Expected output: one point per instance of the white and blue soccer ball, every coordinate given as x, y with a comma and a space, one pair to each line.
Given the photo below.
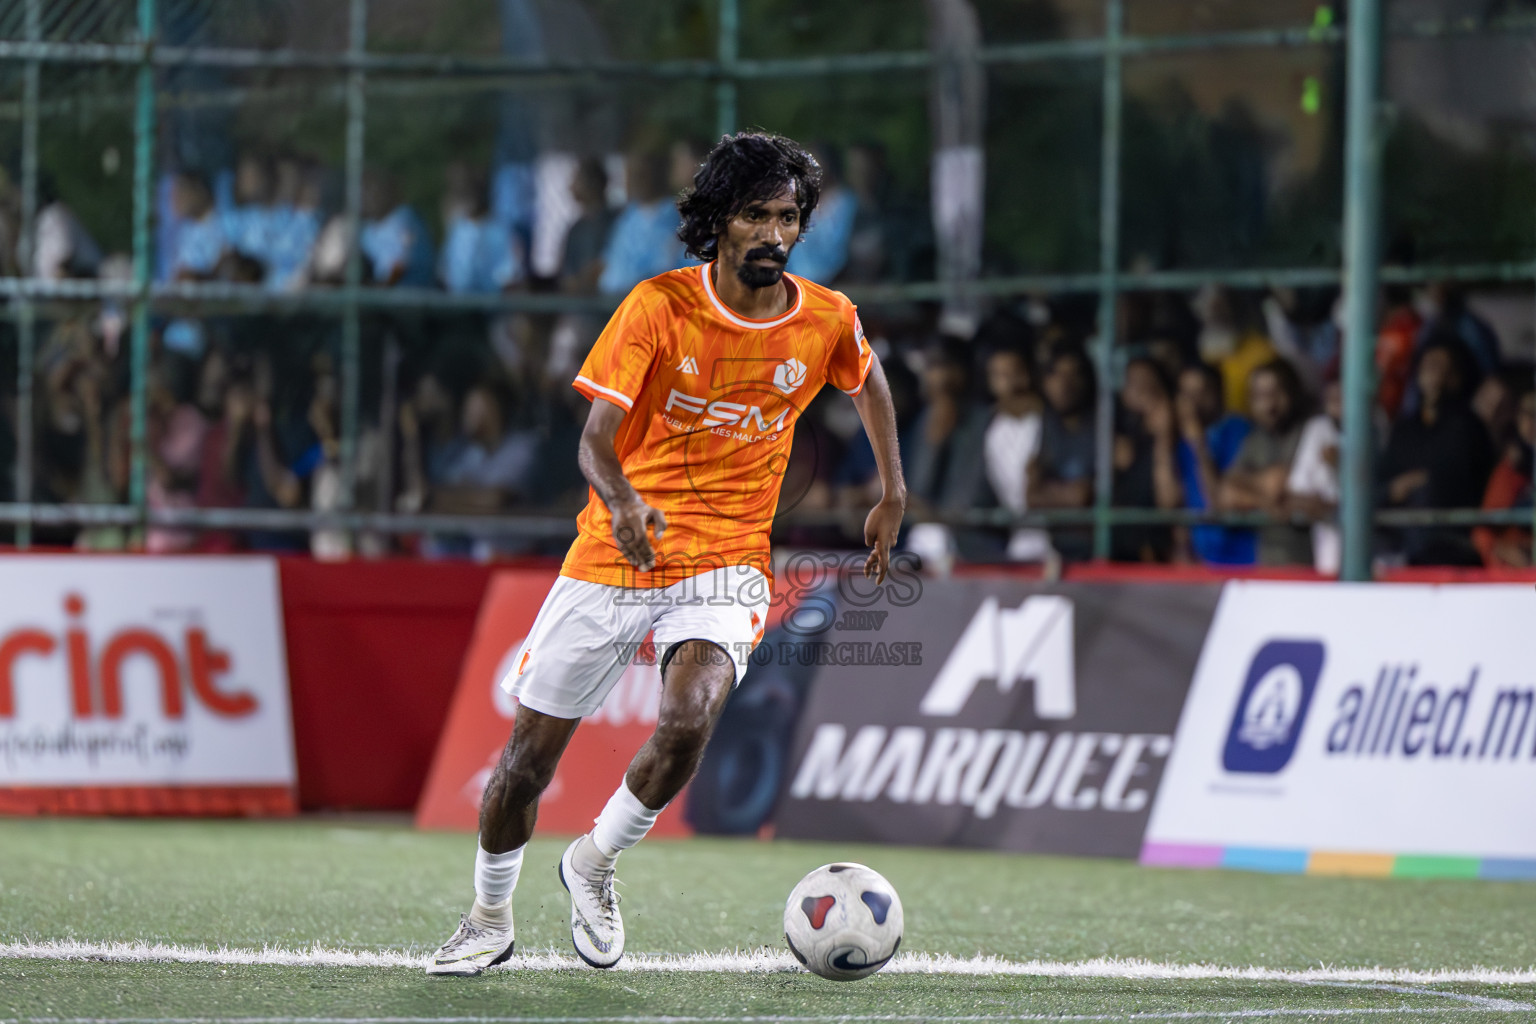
843, 921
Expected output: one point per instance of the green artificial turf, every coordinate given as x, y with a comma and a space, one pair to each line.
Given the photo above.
377, 887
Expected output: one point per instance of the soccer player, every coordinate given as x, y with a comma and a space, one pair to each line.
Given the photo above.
696, 384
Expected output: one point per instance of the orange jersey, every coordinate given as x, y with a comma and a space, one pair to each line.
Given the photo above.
712, 400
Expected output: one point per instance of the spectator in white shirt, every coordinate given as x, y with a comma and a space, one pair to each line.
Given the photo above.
1012, 441
64, 249
1312, 488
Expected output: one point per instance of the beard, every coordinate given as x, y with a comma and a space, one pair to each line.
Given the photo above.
754, 276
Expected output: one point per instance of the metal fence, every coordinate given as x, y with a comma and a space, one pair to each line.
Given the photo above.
149, 60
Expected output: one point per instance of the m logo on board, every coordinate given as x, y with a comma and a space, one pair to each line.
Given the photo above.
1031, 643
1017, 733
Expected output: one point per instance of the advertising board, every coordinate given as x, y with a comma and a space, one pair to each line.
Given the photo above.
1364, 729
143, 685
994, 713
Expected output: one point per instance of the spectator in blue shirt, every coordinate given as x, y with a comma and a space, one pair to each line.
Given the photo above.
489, 466
644, 240
823, 253
477, 256
1210, 439
394, 239
200, 241
296, 224
198, 253
245, 208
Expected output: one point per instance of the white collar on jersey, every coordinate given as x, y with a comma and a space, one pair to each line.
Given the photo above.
751, 325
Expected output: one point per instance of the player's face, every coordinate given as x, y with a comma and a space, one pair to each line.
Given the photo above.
756, 242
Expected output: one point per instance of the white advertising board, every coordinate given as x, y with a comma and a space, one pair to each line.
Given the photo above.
143, 684
1392, 722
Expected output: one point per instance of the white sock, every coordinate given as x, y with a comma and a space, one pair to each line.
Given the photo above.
623, 823
496, 876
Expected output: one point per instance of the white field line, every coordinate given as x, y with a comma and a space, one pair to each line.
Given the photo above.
1484, 1001
762, 961
1392, 1012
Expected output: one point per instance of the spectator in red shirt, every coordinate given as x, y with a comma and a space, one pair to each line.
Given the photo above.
1400, 326
1510, 487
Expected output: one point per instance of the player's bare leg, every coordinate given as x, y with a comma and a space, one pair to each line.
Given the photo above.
485, 935
698, 680
511, 801
695, 684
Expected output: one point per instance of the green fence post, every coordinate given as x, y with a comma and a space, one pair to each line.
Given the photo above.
26, 325
727, 49
1362, 247
351, 329
1109, 265
143, 198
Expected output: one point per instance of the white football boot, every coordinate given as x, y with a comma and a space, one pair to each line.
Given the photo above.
597, 930
474, 947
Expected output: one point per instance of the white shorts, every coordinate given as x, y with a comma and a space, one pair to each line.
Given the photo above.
586, 634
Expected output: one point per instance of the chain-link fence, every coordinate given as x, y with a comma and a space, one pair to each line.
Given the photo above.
316, 275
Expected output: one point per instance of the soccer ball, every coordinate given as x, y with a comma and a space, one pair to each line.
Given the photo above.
843, 921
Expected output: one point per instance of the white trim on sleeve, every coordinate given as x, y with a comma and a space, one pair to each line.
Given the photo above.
617, 396
869, 359
868, 356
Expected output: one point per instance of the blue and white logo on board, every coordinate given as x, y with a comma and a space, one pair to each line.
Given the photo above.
1272, 706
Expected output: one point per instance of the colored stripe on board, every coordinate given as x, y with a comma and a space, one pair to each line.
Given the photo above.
1181, 855
1361, 865
1508, 869
1419, 866
1333, 862
1284, 862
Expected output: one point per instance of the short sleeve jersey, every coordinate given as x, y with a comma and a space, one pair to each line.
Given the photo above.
712, 399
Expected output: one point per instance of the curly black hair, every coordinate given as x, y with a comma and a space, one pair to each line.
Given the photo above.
744, 168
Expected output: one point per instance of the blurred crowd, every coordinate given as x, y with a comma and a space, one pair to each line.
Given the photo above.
1224, 400
585, 226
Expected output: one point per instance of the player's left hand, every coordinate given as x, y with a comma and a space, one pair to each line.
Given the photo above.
880, 529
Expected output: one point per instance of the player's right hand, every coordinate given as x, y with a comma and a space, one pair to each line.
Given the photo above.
629, 532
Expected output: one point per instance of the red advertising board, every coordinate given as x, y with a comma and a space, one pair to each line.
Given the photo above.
481, 716
140, 686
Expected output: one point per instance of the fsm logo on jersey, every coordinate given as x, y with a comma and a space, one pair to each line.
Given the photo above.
1272, 707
